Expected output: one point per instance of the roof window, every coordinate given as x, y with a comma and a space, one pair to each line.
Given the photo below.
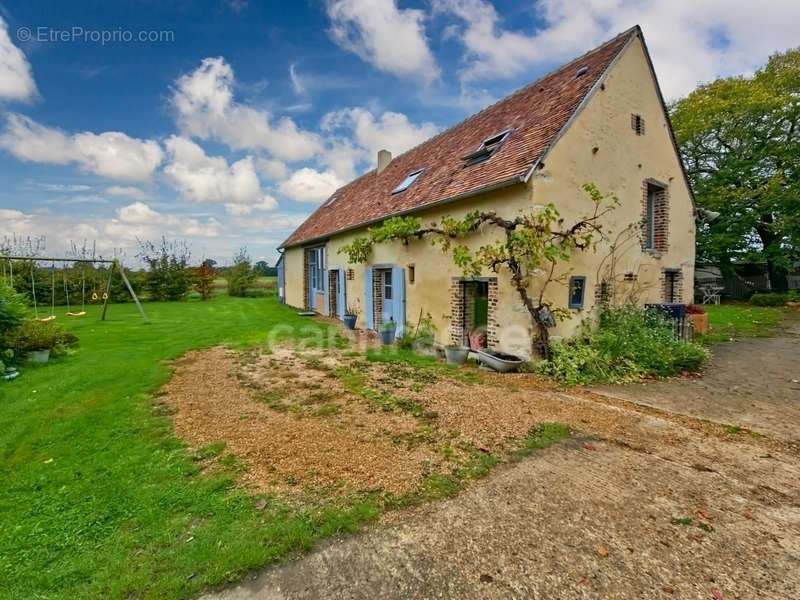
407, 182
330, 200
488, 147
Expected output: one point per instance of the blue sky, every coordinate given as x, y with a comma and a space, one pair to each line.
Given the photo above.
240, 117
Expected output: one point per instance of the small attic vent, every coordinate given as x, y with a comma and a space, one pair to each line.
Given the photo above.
488, 147
330, 200
637, 124
582, 71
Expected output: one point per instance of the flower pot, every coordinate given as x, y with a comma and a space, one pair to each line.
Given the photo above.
350, 321
39, 356
456, 355
387, 337
699, 322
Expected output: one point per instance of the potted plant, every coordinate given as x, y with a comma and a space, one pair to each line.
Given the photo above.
36, 339
425, 337
456, 355
350, 318
698, 317
387, 331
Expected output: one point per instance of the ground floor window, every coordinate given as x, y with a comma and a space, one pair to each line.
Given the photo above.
672, 286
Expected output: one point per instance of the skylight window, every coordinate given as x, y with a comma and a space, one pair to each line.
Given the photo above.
330, 200
407, 182
488, 147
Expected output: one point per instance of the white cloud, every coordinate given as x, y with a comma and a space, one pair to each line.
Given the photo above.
16, 79
281, 223
111, 154
202, 178
391, 131
310, 185
297, 83
139, 212
265, 204
127, 191
61, 187
271, 168
140, 221
7, 214
690, 41
205, 108
380, 33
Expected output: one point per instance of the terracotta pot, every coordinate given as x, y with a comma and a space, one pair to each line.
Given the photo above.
699, 322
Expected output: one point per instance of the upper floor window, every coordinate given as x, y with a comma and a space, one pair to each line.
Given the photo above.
407, 182
488, 147
655, 218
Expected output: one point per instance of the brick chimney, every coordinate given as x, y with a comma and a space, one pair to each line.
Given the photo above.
384, 158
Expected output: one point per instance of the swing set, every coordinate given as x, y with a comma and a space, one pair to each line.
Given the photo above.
8, 269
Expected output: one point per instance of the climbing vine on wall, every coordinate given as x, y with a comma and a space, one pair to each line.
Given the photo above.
533, 244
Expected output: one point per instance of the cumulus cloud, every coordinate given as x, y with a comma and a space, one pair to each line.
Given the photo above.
111, 154
202, 178
389, 38
265, 204
16, 78
392, 131
126, 191
690, 41
310, 185
205, 108
139, 221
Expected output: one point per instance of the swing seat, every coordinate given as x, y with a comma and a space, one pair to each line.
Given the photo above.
46, 319
76, 314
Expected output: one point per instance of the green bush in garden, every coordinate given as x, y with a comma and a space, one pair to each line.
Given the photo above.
627, 343
770, 299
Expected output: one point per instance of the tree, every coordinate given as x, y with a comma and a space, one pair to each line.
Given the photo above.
262, 269
531, 246
168, 276
240, 276
740, 141
203, 279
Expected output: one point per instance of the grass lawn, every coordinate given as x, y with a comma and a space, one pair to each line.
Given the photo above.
731, 321
97, 496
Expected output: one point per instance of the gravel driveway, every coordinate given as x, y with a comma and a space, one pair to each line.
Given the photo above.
662, 506
751, 383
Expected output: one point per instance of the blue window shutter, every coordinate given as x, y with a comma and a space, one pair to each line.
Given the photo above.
281, 281
369, 317
399, 299
342, 299
324, 284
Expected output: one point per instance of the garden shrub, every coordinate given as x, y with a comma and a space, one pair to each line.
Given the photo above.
768, 299
40, 335
13, 311
241, 276
626, 344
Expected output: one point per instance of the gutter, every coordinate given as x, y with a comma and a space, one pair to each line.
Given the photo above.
517, 179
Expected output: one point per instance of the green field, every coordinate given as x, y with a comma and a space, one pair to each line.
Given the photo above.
732, 321
97, 496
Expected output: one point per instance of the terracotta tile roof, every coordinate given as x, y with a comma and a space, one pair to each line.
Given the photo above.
535, 114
